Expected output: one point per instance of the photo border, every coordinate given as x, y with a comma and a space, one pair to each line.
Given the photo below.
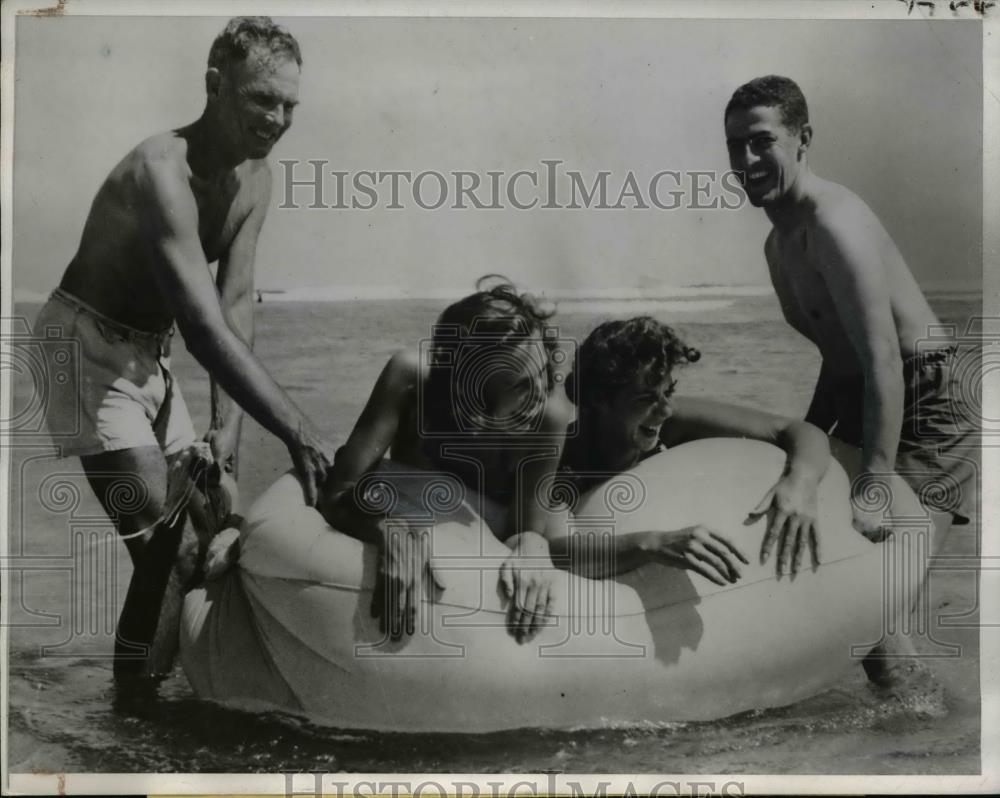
190, 784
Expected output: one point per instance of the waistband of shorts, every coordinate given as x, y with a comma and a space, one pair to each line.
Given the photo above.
930, 357
124, 330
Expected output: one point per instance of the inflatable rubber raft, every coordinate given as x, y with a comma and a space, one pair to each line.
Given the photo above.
290, 628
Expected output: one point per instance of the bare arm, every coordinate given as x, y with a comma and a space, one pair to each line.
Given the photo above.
694, 548
182, 275
792, 502
235, 284
526, 576
404, 560
530, 508
597, 555
371, 437
848, 251
808, 449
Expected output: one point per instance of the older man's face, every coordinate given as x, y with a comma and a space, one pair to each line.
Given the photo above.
259, 96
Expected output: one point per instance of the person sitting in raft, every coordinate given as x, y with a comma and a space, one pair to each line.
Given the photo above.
627, 412
489, 384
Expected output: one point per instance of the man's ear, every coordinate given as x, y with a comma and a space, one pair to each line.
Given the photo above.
805, 138
213, 82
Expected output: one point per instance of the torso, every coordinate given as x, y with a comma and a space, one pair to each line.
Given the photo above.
800, 282
113, 269
493, 460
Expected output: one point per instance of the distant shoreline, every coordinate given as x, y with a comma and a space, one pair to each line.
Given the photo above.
561, 295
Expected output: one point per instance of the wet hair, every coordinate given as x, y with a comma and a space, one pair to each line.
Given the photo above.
615, 351
773, 91
244, 34
496, 315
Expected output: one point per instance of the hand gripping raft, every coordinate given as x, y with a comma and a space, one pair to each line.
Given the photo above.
290, 628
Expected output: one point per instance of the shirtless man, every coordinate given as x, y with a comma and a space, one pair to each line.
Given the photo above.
177, 202
843, 284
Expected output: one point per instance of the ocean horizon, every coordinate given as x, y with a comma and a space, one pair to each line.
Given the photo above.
628, 294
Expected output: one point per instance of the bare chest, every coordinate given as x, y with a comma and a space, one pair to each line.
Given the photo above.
221, 211
805, 287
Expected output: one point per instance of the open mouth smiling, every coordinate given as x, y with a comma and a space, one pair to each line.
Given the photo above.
263, 136
755, 178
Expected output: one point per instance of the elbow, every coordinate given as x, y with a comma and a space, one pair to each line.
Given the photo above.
200, 336
805, 430
883, 360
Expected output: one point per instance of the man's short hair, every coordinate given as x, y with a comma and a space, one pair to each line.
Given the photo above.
244, 34
774, 91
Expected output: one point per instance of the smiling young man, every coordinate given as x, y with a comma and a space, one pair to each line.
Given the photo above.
843, 284
177, 202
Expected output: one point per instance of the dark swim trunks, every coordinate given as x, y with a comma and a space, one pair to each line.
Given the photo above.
939, 442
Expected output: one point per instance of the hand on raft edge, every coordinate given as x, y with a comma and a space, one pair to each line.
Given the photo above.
526, 577
404, 568
792, 509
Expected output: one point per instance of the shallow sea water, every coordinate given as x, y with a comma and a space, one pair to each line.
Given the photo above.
63, 711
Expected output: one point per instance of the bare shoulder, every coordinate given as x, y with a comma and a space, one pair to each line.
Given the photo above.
160, 153
405, 369
840, 213
157, 168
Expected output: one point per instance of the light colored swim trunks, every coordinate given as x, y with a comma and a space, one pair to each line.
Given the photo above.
121, 393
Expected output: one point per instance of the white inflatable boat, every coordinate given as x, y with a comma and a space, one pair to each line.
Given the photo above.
290, 628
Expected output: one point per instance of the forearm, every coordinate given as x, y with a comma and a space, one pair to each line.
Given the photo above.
601, 554
238, 313
883, 415
344, 515
225, 412
238, 372
808, 450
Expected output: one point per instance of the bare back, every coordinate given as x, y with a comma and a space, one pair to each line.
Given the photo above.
113, 269
803, 271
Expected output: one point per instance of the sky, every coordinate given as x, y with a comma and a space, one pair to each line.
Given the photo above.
896, 109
